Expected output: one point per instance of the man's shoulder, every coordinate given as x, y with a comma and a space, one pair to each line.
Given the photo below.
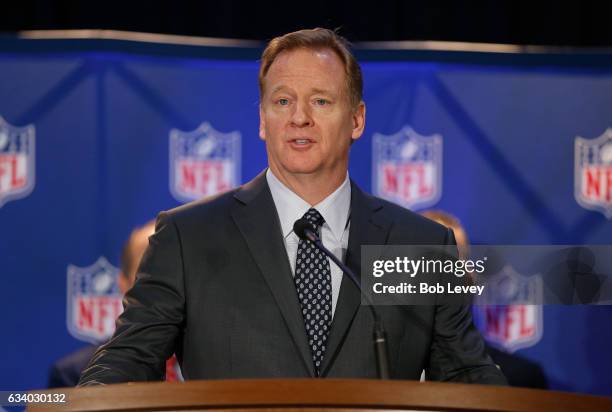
220, 205
213, 206
409, 222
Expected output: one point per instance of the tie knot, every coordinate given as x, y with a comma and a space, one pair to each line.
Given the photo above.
314, 217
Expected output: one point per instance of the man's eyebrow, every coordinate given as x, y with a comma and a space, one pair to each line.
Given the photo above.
279, 88
314, 90
323, 91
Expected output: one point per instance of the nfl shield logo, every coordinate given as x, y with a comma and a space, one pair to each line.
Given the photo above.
94, 301
593, 173
502, 315
16, 161
203, 162
407, 168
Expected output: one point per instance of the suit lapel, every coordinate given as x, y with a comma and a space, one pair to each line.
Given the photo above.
368, 226
257, 219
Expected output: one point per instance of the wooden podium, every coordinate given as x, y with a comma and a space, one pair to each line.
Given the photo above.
317, 394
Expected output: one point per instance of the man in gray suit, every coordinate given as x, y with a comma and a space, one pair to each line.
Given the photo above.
228, 286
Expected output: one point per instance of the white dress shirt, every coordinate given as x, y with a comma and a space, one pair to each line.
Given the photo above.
335, 209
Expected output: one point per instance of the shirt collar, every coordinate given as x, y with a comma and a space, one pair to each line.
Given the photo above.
290, 207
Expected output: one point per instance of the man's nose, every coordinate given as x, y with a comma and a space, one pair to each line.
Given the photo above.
301, 116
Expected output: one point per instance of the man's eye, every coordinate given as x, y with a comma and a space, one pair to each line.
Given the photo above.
283, 102
321, 102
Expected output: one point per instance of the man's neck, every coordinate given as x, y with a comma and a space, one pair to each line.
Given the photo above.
311, 187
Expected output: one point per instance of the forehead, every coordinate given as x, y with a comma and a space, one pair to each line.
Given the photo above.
321, 68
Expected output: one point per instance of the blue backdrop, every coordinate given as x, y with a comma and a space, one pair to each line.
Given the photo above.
102, 113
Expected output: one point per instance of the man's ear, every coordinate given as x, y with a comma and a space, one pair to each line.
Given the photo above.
358, 120
262, 124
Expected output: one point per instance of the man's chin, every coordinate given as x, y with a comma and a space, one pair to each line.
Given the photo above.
304, 171
302, 168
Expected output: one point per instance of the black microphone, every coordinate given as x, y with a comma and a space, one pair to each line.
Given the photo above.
305, 230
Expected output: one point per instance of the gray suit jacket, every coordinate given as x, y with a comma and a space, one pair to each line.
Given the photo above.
215, 286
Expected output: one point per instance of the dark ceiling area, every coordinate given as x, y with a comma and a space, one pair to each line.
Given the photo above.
584, 24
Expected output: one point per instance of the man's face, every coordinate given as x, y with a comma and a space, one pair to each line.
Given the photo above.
306, 117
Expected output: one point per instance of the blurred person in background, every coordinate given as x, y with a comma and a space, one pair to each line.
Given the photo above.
518, 370
66, 371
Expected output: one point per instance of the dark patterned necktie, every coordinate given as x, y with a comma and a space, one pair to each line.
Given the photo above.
313, 284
